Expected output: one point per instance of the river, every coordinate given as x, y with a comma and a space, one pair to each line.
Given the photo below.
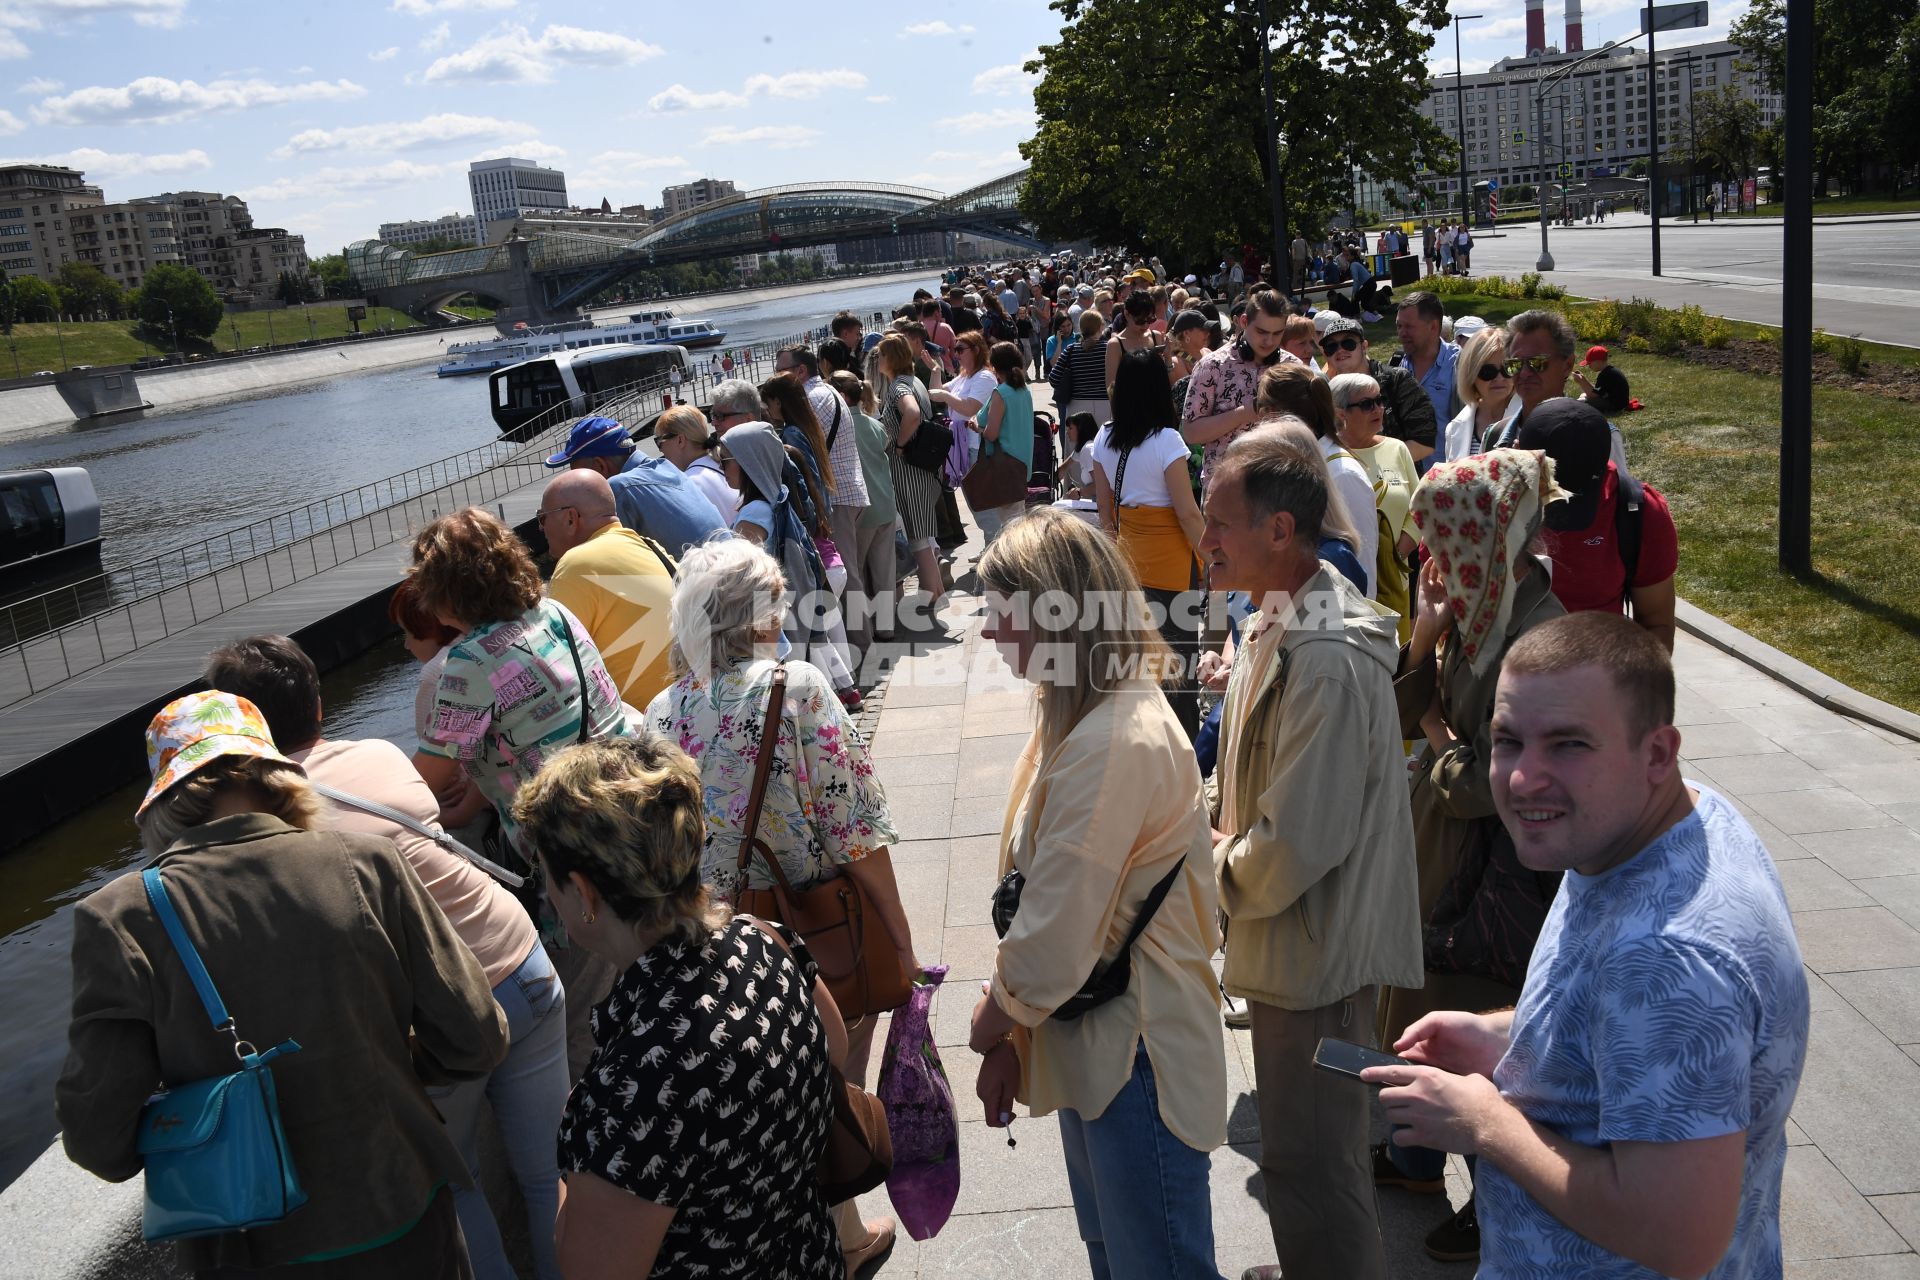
170, 479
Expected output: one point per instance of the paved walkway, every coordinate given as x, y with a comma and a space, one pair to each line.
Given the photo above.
1836, 803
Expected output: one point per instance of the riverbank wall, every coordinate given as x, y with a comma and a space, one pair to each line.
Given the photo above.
40, 405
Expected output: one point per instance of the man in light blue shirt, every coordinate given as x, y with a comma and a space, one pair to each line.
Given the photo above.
1630, 1113
1426, 355
651, 496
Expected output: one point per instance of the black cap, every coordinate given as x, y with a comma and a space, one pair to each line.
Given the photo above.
1187, 320
1576, 436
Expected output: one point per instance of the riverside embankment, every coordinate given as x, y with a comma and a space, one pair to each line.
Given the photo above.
40, 405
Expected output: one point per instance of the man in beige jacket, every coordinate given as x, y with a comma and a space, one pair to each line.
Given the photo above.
1314, 847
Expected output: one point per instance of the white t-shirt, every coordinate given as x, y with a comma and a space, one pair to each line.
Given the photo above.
1146, 467
977, 385
710, 480
1354, 491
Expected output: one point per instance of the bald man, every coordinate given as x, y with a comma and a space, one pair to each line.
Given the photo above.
612, 579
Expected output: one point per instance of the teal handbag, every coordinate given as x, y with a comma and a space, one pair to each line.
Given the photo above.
216, 1157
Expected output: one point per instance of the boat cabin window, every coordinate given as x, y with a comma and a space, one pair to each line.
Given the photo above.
597, 377
31, 520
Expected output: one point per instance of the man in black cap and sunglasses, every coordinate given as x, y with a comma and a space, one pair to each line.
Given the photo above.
1409, 411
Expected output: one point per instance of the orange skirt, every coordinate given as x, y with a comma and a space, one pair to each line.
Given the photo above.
1157, 546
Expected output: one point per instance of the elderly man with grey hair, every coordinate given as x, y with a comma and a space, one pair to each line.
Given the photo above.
734, 401
1540, 347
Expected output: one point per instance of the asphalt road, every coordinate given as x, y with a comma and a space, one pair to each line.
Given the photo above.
1866, 274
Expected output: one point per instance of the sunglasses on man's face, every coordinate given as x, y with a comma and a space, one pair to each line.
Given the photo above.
1368, 405
1488, 372
1332, 345
1536, 363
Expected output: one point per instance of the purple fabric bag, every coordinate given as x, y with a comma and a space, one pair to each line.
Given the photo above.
925, 1180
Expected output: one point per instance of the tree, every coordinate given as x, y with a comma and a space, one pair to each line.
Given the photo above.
294, 288
335, 280
1729, 129
34, 299
176, 298
1152, 129
85, 291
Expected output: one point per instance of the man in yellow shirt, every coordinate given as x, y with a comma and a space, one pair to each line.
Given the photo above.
612, 579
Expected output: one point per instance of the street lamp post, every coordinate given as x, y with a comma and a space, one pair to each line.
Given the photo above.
1273, 150
1460, 117
1693, 145
1545, 261
1653, 142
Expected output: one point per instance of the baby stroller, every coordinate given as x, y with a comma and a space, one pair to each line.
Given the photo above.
1046, 459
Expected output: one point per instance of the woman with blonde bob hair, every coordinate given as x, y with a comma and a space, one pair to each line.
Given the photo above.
711, 1073
1486, 393
1106, 826
329, 955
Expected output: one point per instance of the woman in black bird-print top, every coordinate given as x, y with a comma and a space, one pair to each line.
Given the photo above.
690, 1148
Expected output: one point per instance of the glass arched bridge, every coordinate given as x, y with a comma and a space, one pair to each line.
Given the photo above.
555, 270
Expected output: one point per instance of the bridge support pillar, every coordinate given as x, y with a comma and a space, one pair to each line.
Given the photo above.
523, 297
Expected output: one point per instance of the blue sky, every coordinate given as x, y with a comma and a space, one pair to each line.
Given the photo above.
332, 118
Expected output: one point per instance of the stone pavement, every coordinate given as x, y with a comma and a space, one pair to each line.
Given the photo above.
1836, 803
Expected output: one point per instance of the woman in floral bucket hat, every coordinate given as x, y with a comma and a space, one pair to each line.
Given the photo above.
1483, 587
324, 938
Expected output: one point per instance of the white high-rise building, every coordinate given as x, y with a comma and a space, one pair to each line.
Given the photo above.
508, 187
452, 226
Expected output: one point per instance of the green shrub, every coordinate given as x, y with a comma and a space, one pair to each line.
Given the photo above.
1822, 342
1598, 321
1715, 333
1639, 315
1850, 355
1638, 345
1691, 322
1553, 292
1771, 337
1530, 284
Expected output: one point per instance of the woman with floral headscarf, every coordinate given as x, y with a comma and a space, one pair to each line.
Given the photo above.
1482, 588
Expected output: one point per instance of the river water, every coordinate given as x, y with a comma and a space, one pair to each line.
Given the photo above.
170, 479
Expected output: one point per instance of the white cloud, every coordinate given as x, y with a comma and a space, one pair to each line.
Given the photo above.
436, 38
327, 180
805, 84
622, 169
422, 8
107, 164
1004, 81
1498, 29
879, 98
522, 149
778, 137
384, 55
677, 97
40, 86
981, 121
513, 55
936, 28
404, 135
11, 45
148, 13
10, 123
152, 99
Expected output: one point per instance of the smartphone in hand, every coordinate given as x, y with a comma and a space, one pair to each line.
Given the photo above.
1345, 1058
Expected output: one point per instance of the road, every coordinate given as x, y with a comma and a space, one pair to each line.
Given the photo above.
1866, 275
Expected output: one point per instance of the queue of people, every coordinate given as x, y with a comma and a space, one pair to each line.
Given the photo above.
1432, 613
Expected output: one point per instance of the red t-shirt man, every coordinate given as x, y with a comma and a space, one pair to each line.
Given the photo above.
1582, 533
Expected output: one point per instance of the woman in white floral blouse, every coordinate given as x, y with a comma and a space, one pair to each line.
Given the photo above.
825, 813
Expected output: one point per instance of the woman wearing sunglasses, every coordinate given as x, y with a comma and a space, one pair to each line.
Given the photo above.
1360, 406
1486, 395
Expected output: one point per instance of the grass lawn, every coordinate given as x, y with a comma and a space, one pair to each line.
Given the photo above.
1709, 440
1837, 206
101, 342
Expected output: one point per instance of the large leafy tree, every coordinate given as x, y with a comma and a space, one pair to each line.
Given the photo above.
34, 300
1152, 129
1865, 54
335, 280
173, 297
1730, 132
85, 290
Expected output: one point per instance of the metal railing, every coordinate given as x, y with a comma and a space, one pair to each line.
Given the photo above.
62, 634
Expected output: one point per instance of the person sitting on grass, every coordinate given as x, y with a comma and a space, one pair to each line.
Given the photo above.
1606, 390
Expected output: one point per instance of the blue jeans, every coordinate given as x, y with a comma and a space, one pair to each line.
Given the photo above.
528, 1093
1139, 1193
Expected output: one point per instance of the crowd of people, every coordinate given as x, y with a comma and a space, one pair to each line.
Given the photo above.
1368, 687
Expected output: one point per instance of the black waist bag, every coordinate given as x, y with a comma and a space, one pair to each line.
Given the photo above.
1105, 984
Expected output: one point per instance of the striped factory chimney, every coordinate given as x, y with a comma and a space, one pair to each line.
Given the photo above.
1536, 27
1573, 27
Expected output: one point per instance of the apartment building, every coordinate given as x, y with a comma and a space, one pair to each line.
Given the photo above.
216, 237
35, 203
506, 187
689, 196
453, 226
1595, 121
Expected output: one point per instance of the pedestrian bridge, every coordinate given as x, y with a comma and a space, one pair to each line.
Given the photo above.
551, 272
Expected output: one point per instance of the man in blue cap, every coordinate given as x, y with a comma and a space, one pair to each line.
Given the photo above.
651, 495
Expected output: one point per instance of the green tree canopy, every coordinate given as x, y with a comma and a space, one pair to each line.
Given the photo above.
85, 290
173, 296
1728, 127
1152, 129
34, 300
335, 280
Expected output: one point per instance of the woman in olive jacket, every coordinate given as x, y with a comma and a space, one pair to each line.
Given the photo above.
324, 938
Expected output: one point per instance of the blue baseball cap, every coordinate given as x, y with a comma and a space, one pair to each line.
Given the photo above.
593, 438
